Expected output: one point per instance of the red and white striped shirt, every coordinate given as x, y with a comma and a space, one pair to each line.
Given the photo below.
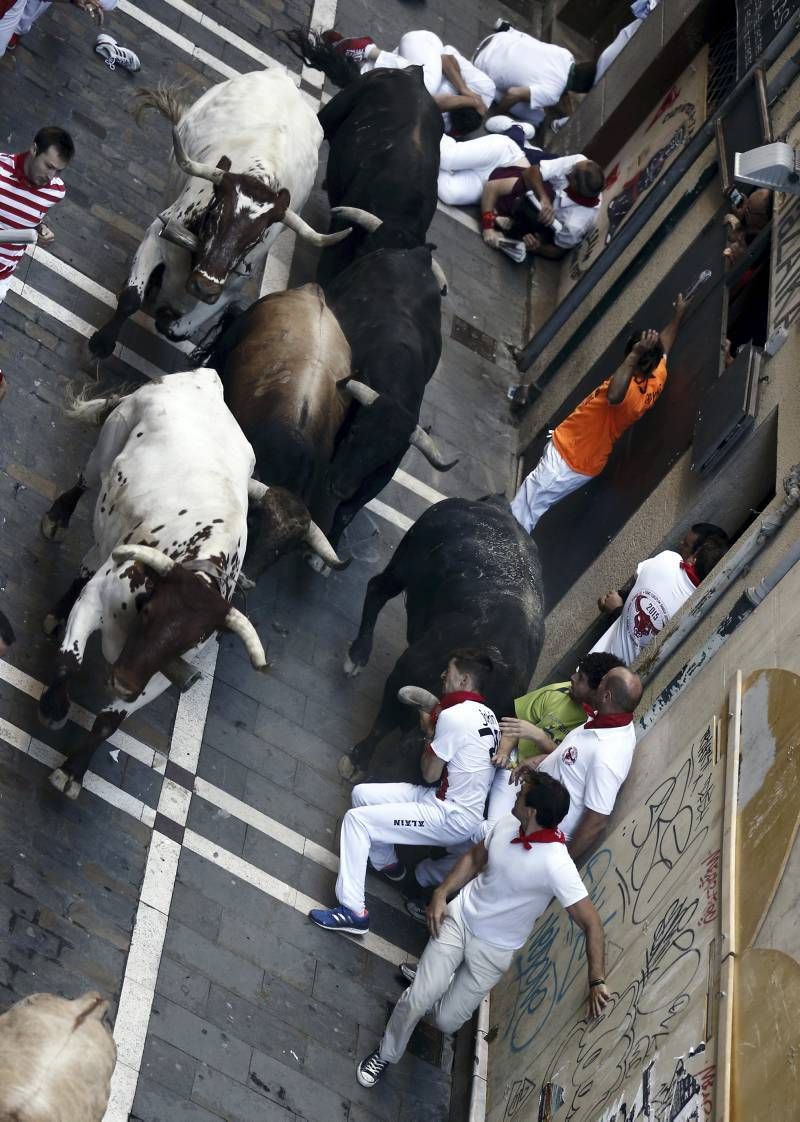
22, 205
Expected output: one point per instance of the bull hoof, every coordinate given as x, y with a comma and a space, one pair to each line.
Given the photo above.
315, 562
52, 714
351, 669
64, 782
52, 530
100, 346
349, 771
52, 625
418, 698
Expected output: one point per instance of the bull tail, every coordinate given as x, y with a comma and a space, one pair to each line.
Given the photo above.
164, 99
311, 48
90, 410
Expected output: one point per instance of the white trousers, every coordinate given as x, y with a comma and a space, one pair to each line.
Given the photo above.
552, 479
502, 796
416, 48
465, 166
9, 23
389, 814
454, 974
21, 18
5, 287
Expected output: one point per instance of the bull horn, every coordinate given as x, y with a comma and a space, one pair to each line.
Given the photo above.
420, 439
154, 559
322, 547
361, 392
173, 231
439, 273
364, 218
418, 698
296, 223
194, 167
240, 625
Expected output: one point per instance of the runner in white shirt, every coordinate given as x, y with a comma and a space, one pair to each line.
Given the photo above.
593, 760
459, 88
663, 584
388, 814
505, 883
530, 74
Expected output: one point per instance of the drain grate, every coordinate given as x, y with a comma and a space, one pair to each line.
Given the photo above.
477, 341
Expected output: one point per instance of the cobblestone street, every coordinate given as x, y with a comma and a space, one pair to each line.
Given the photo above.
178, 884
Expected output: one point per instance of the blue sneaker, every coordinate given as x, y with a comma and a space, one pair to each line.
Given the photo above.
341, 919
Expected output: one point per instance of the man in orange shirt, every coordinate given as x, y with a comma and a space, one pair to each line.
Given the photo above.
579, 447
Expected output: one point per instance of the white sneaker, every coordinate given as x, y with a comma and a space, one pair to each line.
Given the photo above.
114, 55
502, 123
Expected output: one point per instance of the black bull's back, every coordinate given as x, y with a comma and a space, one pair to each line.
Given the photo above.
472, 578
384, 131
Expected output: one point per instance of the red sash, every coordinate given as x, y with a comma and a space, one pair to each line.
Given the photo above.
538, 836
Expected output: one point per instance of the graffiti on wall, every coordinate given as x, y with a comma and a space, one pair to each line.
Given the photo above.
786, 269
640, 163
655, 886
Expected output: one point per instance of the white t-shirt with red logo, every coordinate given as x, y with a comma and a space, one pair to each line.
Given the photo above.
466, 738
503, 902
661, 587
592, 764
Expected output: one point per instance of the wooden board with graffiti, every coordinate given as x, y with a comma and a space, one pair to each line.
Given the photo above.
650, 150
655, 884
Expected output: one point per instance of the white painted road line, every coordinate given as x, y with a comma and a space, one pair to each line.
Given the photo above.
430, 494
152, 913
460, 216
390, 514
69, 319
156, 887
231, 37
256, 877
103, 295
146, 755
179, 41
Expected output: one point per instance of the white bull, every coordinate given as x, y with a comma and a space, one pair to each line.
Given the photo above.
174, 475
242, 152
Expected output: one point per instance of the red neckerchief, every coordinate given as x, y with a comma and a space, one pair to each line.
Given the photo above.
538, 836
571, 193
19, 169
588, 710
581, 200
445, 702
691, 572
609, 720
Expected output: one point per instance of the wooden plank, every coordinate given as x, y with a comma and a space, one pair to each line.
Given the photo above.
722, 1096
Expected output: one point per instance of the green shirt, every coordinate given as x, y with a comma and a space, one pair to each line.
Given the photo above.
552, 709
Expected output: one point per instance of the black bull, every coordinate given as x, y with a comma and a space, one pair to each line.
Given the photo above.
384, 131
471, 578
389, 306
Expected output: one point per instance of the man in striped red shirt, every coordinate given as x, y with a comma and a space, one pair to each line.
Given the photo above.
30, 184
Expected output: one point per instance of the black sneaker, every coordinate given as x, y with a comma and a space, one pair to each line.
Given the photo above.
371, 1069
418, 910
393, 873
408, 971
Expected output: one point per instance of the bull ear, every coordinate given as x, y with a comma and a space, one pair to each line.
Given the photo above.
282, 200
223, 163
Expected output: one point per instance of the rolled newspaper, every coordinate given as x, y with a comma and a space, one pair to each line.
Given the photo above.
19, 237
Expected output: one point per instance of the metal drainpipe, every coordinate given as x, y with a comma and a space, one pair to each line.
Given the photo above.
741, 610
480, 1061
747, 550
645, 211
